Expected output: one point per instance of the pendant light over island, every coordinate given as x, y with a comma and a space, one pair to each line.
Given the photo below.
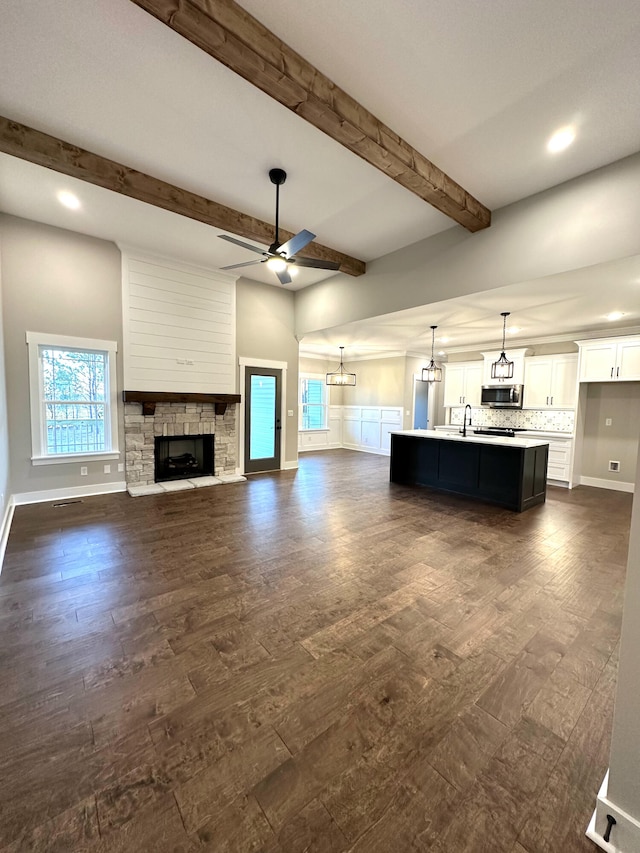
502, 368
432, 372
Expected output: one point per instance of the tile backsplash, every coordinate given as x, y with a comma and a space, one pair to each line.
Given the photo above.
542, 419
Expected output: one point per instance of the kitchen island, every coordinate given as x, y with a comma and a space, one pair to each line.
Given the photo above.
510, 472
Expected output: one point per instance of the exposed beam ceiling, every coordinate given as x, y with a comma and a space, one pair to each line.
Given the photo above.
36, 147
232, 36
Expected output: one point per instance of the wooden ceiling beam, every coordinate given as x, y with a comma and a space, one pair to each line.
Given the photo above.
225, 31
32, 145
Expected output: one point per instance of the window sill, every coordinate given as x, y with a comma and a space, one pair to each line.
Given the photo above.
61, 458
321, 429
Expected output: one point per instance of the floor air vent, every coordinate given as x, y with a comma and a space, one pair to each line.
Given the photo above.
68, 503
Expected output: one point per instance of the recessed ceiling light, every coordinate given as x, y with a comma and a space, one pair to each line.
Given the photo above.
444, 340
69, 199
513, 330
615, 315
561, 139
441, 352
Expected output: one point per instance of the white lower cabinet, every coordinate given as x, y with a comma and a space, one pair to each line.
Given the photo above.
559, 463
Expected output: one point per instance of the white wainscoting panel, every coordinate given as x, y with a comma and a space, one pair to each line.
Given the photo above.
365, 428
179, 326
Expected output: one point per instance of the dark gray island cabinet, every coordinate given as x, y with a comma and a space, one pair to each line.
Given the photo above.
510, 472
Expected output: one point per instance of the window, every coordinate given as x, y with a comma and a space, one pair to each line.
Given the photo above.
313, 401
73, 398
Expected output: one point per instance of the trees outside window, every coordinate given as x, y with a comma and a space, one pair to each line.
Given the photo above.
72, 396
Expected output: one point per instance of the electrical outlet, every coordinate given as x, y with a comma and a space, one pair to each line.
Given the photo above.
290, 413
613, 465
83, 470
120, 467
608, 421
107, 469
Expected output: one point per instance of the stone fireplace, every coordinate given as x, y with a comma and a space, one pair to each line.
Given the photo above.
149, 416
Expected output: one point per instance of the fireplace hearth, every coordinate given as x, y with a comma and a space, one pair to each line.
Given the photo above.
179, 457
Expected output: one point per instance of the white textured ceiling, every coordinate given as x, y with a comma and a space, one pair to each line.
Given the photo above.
476, 87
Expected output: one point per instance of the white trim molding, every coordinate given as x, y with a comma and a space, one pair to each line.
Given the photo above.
615, 485
625, 834
243, 363
70, 492
35, 342
5, 527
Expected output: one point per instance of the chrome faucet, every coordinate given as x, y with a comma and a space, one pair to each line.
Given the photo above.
463, 431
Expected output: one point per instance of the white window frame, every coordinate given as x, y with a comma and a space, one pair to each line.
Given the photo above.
301, 405
35, 342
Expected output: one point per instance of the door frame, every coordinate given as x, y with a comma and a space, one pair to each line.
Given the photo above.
243, 363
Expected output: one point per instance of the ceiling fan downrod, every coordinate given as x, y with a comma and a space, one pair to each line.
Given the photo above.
277, 177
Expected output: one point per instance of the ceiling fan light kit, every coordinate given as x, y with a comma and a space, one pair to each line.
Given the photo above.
432, 372
340, 376
279, 256
502, 368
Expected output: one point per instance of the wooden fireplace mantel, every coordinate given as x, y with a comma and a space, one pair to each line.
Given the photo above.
150, 398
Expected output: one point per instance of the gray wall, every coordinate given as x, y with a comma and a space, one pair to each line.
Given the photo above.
589, 220
265, 330
63, 283
379, 382
4, 426
619, 401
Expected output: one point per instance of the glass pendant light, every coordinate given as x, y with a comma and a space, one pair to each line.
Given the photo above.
502, 368
432, 372
340, 376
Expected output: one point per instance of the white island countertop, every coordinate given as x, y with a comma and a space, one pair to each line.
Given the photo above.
470, 438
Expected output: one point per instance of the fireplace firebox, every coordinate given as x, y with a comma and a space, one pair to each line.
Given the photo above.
180, 457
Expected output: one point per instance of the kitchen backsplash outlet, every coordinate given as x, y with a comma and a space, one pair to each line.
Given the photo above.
541, 419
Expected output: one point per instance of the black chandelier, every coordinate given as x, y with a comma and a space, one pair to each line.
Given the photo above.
340, 376
502, 368
432, 372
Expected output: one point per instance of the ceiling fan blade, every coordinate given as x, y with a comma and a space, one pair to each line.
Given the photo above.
240, 243
318, 265
284, 277
237, 266
299, 241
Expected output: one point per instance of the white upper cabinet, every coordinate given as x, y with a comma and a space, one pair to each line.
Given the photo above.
550, 381
517, 356
610, 360
462, 383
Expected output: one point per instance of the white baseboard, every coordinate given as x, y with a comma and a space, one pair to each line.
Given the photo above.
625, 835
289, 466
5, 528
70, 492
600, 483
377, 450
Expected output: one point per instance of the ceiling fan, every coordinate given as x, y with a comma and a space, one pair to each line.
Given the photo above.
279, 256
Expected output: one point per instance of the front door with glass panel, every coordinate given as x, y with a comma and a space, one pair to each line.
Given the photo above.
262, 428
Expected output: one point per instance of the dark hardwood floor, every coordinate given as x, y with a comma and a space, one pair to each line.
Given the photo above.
310, 661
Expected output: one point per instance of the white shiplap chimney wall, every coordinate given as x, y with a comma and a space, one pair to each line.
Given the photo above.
179, 326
